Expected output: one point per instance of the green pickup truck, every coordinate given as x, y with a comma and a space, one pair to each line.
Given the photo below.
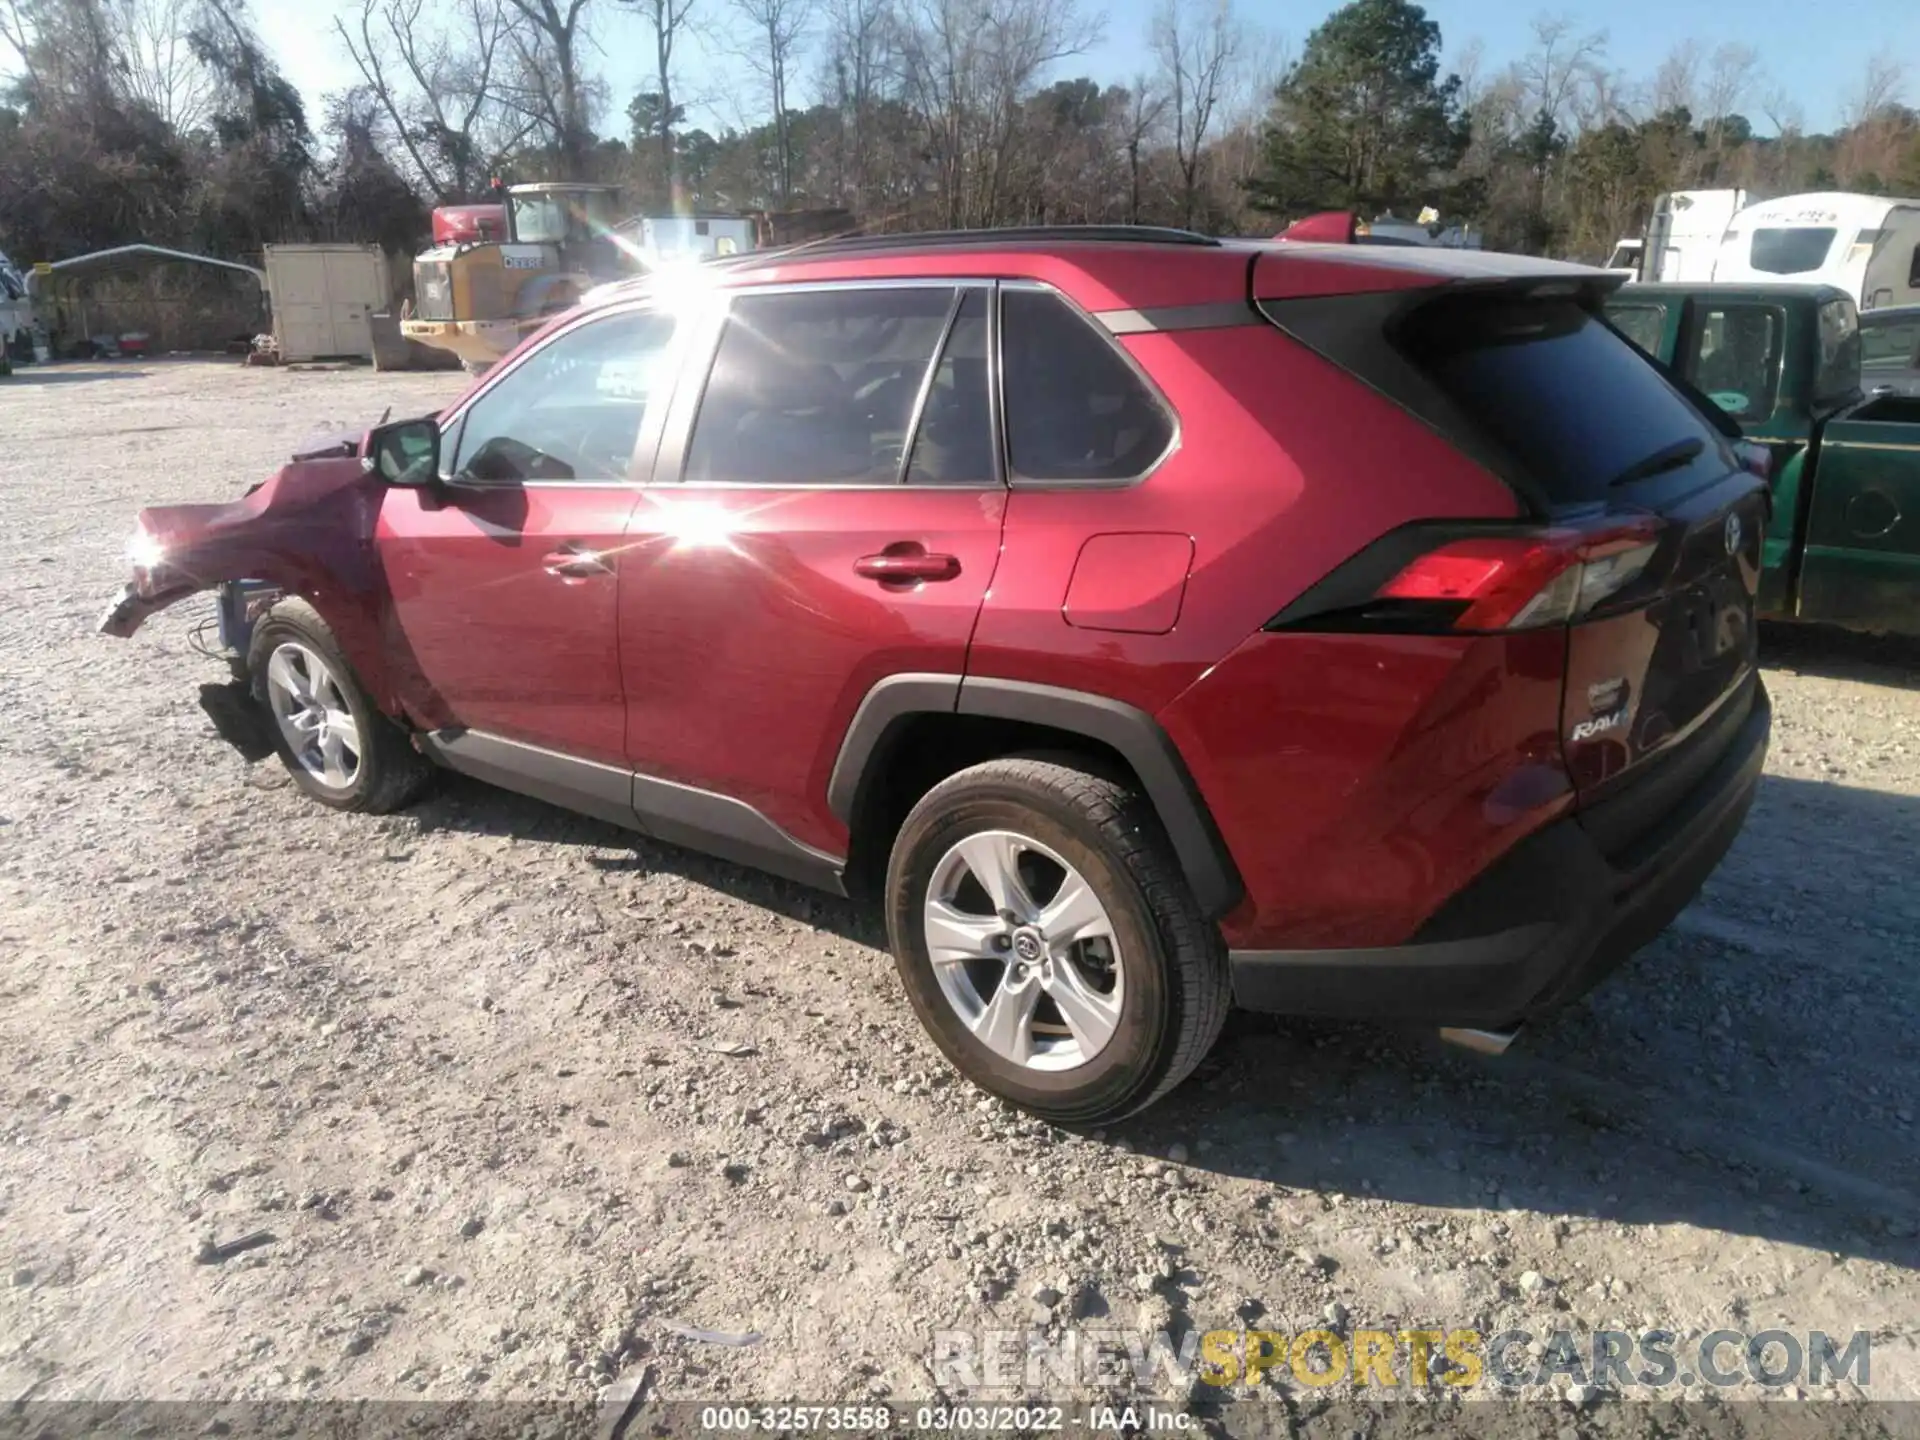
1783, 362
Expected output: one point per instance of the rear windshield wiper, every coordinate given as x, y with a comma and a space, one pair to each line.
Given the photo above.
1676, 456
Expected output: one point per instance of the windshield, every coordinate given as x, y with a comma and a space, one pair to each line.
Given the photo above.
554, 218
539, 219
1790, 251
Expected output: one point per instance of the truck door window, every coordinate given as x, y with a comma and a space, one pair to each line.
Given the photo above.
1839, 376
571, 411
1644, 325
1736, 358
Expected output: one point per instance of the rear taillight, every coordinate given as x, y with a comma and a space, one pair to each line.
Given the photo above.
1755, 458
1494, 582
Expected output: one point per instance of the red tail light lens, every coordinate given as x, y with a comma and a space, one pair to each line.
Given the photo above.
1520, 582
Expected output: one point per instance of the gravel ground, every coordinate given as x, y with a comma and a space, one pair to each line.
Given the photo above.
516, 1100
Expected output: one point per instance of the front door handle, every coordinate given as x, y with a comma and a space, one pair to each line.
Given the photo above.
574, 561
906, 565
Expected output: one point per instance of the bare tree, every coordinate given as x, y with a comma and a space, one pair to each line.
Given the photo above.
442, 86
1560, 64
1145, 106
856, 68
1783, 111
160, 68
1676, 84
1881, 86
1875, 122
1731, 76
777, 27
668, 21
550, 86
969, 66
1197, 43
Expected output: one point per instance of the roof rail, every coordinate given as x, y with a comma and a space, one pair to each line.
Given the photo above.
1007, 235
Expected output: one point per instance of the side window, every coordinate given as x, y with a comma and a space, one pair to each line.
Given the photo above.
954, 442
1913, 270
572, 410
1644, 325
1839, 374
1075, 408
1889, 344
1736, 358
816, 387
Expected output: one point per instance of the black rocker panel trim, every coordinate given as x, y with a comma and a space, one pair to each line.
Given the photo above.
702, 820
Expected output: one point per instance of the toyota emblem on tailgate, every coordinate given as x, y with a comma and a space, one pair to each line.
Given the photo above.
1733, 534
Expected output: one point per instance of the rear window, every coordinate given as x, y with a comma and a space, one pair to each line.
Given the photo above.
1644, 325
1789, 252
1582, 411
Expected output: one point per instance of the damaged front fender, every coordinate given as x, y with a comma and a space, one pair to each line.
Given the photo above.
306, 531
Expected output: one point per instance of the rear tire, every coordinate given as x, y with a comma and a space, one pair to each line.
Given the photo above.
333, 740
1099, 986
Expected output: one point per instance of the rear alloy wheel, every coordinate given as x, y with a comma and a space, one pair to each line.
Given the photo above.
1049, 941
331, 737
1024, 951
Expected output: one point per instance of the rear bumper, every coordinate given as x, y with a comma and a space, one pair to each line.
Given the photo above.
1542, 926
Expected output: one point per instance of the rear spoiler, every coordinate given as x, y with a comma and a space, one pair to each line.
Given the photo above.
1329, 227
1339, 227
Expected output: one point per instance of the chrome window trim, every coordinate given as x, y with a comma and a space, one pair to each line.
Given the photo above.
1017, 481
912, 441
670, 463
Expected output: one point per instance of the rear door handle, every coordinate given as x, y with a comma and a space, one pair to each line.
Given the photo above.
907, 565
574, 561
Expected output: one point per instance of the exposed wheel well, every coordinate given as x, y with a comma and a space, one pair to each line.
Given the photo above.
919, 751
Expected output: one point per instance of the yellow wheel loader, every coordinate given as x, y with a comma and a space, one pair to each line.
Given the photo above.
496, 274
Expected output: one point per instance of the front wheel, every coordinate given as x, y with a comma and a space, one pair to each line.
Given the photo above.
331, 737
1049, 942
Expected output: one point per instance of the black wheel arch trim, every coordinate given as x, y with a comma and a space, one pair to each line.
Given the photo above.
1130, 732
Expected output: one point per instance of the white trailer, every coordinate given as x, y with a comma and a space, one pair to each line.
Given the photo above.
1867, 245
687, 237
324, 298
1684, 235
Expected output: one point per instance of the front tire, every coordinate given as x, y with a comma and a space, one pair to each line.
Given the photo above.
1049, 942
329, 734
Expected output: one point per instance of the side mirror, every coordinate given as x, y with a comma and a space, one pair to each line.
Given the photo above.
406, 452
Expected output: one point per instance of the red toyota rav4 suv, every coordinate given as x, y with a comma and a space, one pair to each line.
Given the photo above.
1159, 623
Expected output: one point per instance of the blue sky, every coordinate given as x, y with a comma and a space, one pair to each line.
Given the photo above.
1819, 60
